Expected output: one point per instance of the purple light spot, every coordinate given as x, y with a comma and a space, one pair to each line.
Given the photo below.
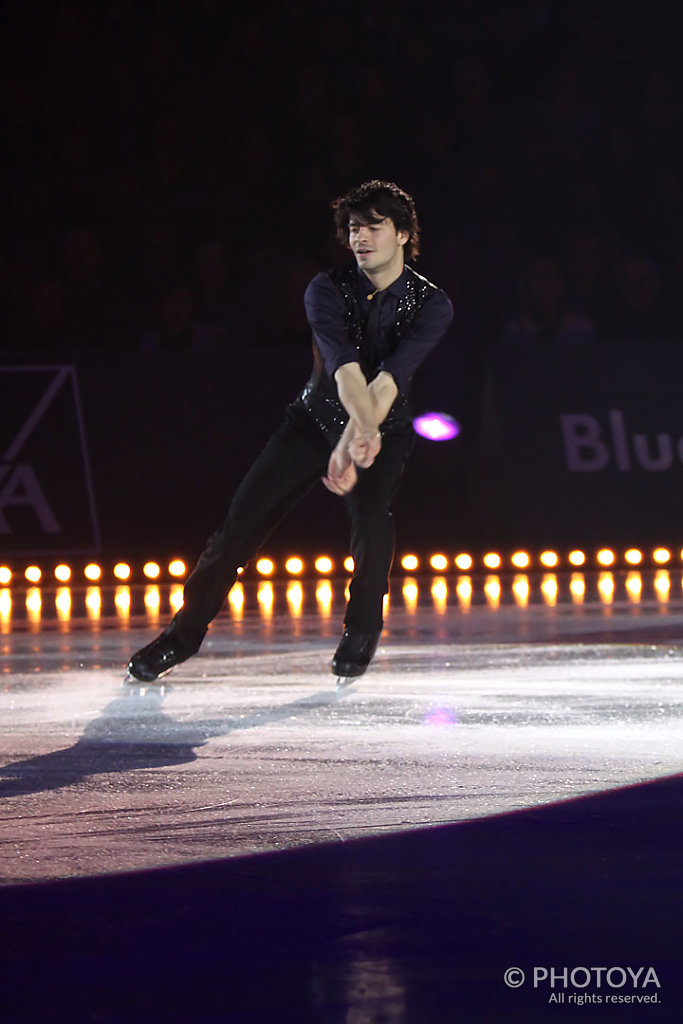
440, 717
436, 426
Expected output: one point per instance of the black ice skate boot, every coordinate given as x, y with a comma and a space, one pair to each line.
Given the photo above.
354, 654
159, 657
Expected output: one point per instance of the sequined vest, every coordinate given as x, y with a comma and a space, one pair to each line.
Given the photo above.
319, 398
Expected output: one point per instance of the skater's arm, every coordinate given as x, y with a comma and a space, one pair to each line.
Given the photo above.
360, 443
325, 313
429, 326
367, 404
364, 450
356, 397
350, 451
383, 390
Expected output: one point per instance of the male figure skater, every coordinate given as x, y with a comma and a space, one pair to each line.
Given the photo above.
373, 324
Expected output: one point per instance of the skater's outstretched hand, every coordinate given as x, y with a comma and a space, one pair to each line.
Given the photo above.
341, 472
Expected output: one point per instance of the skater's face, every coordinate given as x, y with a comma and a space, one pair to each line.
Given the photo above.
377, 246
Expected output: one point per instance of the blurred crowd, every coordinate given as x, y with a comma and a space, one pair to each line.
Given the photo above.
171, 166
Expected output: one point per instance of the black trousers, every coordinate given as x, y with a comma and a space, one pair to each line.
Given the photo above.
291, 464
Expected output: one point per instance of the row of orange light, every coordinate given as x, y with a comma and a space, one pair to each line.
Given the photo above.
324, 565
92, 572
605, 558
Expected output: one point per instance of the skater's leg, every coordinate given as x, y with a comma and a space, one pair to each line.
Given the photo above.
372, 533
372, 549
290, 464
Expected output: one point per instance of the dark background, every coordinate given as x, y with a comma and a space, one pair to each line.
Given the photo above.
168, 174
171, 167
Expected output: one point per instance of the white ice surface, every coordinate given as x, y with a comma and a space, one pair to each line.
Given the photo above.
248, 747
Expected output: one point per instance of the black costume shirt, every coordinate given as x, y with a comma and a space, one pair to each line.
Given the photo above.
415, 315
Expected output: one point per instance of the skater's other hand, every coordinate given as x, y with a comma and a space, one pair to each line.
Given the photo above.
341, 473
342, 484
364, 448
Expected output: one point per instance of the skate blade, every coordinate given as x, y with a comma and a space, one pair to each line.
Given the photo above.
134, 687
343, 682
131, 680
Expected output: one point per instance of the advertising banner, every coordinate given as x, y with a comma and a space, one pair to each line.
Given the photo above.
585, 445
46, 496
136, 454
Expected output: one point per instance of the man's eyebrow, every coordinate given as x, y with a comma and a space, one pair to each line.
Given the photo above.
355, 223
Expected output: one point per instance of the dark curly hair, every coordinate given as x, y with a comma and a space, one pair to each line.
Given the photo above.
374, 201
